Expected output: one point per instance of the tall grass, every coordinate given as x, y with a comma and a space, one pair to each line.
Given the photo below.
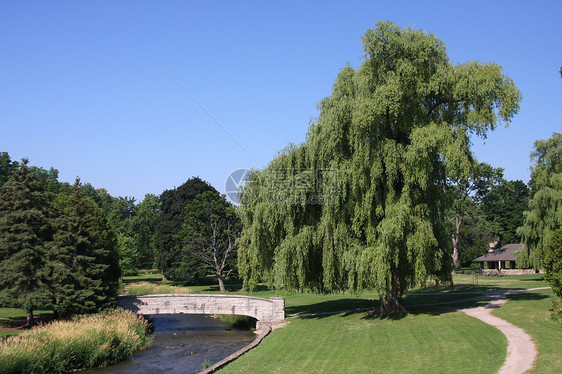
63, 346
145, 288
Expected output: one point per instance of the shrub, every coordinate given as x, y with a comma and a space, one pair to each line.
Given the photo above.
63, 346
553, 262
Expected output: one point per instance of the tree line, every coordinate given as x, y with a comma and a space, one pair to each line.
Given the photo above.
66, 246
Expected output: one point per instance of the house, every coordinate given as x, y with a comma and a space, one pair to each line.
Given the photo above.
501, 261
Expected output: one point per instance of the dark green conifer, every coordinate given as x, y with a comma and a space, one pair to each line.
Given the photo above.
84, 261
25, 238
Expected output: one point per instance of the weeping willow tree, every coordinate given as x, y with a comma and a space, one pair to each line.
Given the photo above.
361, 203
544, 213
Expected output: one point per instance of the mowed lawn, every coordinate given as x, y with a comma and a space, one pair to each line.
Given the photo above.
431, 342
437, 340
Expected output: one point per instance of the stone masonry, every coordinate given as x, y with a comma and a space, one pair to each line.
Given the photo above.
266, 311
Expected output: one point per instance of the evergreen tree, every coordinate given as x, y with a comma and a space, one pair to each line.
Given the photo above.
7, 167
26, 236
84, 261
362, 203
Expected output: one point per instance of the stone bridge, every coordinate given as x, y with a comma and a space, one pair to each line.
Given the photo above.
265, 311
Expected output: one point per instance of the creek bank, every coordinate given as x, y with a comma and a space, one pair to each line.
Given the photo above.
181, 344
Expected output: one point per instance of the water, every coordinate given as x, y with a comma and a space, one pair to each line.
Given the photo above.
182, 343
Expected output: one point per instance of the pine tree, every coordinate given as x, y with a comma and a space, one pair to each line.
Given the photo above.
26, 235
84, 261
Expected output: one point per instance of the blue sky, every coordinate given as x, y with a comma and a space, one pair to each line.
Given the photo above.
81, 90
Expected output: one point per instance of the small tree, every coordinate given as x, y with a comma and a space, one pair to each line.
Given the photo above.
209, 234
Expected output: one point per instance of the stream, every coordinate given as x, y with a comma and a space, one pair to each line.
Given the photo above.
182, 343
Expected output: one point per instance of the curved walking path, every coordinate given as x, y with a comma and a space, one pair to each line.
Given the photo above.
521, 349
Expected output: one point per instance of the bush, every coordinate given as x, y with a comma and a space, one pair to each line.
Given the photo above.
64, 346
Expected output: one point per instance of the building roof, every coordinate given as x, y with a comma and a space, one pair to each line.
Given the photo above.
505, 253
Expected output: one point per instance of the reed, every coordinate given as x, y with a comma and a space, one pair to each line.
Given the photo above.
85, 342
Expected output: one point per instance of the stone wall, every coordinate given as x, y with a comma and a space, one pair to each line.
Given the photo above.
497, 273
264, 310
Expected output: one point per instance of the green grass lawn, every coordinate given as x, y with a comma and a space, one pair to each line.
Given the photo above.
11, 318
14, 313
448, 342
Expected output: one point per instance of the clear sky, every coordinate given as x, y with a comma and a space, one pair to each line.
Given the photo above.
83, 86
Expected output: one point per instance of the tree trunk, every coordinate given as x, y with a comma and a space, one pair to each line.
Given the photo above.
29, 317
456, 243
392, 303
221, 284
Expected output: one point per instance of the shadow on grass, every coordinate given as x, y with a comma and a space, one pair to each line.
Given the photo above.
330, 307
138, 279
527, 296
414, 304
538, 278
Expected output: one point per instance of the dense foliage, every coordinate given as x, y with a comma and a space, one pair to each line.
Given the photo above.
83, 261
209, 234
168, 226
55, 250
503, 208
465, 195
361, 203
544, 213
26, 235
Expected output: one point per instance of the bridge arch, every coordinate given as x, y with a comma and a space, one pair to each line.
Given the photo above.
265, 311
